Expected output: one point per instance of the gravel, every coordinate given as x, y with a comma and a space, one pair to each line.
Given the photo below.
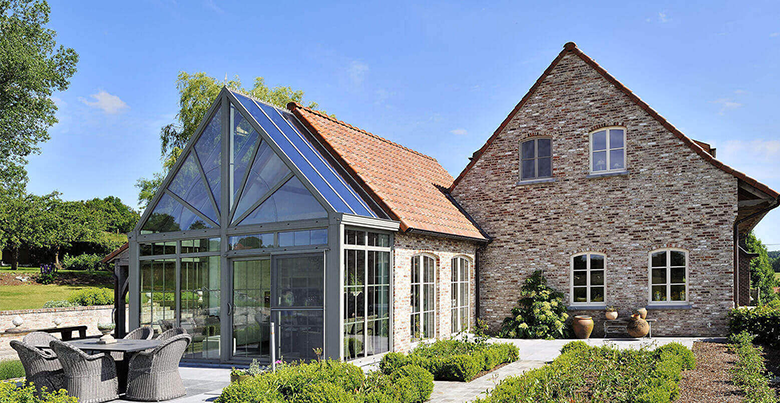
711, 380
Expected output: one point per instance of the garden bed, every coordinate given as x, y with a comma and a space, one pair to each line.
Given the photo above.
711, 380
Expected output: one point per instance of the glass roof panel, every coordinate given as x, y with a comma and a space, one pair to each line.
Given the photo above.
169, 215
188, 184
291, 202
267, 170
209, 149
245, 140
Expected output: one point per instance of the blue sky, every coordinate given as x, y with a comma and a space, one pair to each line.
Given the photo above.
436, 77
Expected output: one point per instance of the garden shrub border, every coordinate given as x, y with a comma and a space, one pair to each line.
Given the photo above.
10, 392
749, 372
762, 321
11, 369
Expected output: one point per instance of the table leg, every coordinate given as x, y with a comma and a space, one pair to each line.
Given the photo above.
66, 335
83, 333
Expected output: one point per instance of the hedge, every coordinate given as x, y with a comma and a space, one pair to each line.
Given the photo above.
331, 381
11, 393
762, 321
11, 369
749, 372
600, 374
453, 360
85, 261
92, 296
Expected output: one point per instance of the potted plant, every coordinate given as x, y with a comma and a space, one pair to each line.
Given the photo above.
239, 375
611, 313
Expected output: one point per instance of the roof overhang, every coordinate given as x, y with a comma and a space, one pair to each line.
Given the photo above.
753, 203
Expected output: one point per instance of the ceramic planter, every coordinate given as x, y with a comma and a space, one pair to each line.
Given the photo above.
642, 312
583, 326
637, 327
611, 315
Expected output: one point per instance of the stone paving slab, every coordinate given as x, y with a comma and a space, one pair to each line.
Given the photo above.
451, 392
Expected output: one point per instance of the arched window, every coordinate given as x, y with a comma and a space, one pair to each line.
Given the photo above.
423, 320
608, 150
459, 293
588, 284
668, 276
536, 159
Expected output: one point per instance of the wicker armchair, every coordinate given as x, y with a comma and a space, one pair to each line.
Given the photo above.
90, 378
38, 338
42, 368
142, 333
170, 333
154, 375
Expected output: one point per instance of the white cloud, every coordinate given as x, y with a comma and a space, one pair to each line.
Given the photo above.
726, 104
213, 6
357, 72
740, 92
110, 104
662, 17
459, 132
774, 34
753, 150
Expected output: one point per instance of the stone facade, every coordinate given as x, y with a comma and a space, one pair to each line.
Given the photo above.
669, 197
443, 250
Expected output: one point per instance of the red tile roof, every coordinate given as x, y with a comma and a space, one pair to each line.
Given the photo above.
410, 187
115, 253
571, 47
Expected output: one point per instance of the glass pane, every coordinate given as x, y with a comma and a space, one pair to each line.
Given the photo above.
428, 323
353, 343
615, 138
464, 319
545, 167
251, 241
245, 141
169, 215
544, 148
189, 185
463, 295
581, 262
375, 239
464, 269
454, 271
377, 337
600, 140
416, 270
428, 298
200, 296
200, 245
355, 237
428, 269
302, 238
580, 294
528, 149
415, 330
597, 277
597, 294
659, 293
616, 159
454, 318
300, 332
580, 278
415, 303
454, 295
319, 236
209, 150
145, 249
378, 267
678, 275
267, 170
658, 259
291, 202
286, 239
600, 161
678, 258
158, 289
596, 262
528, 169
659, 276
300, 281
678, 292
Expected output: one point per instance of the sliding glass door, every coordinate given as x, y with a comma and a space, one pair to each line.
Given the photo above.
250, 309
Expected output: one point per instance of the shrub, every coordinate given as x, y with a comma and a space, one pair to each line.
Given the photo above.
325, 392
11, 393
762, 321
92, 296
677, 349
415, 379
46, 276
58, 304
84, 261
749, 372
578, 345
11, 369
392, 361
540, 313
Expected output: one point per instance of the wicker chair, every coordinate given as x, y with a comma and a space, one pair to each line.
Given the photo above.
42, 368
142, 333
38, 339
154, 375
170, 333
90, 378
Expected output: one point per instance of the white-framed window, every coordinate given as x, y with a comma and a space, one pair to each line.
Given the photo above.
668, 276
536, 159
608, 150
459, 293
423, 318
588, 278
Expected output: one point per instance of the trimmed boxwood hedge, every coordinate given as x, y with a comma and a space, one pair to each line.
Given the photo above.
761, 321
10, 392
600, 374
453, 360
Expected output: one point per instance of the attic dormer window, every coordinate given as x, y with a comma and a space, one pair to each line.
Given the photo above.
536, 159
608, 150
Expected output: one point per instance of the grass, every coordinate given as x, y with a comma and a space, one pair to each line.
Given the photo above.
11, 369
33, 297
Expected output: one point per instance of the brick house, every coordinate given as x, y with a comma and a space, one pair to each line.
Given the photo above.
586, 182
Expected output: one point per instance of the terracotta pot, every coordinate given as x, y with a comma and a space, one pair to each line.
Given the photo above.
637, 327
583, 326
611, 315
642, 312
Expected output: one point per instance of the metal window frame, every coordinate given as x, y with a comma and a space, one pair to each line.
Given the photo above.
535, 158
588, 284
460, 259
668, 267
432, 284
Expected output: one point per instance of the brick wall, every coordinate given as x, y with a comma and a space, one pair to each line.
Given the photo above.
443, 249
671, 197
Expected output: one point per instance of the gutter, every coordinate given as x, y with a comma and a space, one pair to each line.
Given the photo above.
774, 204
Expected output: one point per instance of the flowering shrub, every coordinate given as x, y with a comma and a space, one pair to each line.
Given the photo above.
47, 274
540, 313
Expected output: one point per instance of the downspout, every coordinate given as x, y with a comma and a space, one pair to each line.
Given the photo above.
774, 204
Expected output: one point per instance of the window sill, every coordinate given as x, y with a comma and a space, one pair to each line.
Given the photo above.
533, 181
589, 307
606, 174
681, 305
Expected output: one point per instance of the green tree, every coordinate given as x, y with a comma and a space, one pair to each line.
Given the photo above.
196, 94
761, 274
69, 222
25, 221
32, 67
116, 216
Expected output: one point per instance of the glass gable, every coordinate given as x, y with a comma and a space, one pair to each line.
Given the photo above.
209, 150
266, 172
169, 215
291, 202
188, 184
243, 144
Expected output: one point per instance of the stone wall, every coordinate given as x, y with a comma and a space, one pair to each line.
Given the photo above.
669, 197
443, 250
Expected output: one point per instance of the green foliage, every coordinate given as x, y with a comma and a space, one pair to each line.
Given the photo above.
540, 313
32, 67
452, 360
25, 220
116, 216
11, 369
323, 393
578, 345
686, 356
10, 393
761, 274
416, 380
83, 262
58, 304
92, 296
762, 321
749, 372
598, 374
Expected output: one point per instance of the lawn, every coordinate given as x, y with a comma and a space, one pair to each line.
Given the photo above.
17, 295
